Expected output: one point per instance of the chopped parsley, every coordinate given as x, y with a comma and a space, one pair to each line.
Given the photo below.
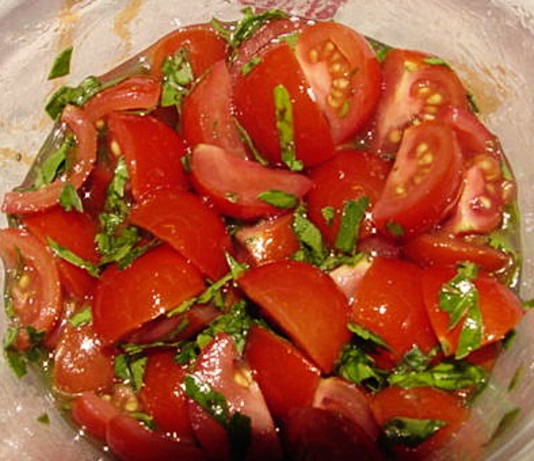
177, 78
351, 217
279, 199
61, 65
410, 432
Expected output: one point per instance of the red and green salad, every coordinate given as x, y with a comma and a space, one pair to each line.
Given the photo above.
267, 239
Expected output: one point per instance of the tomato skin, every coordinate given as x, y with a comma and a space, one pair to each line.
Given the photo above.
423, 88
349, 97
189, 226
163, 396
131, 441
219, 366
420, 403
207, 113
349, 175
388, 302
124, 301
153, 152
443, 250
499, 306
314, 319
286, 378
424, 182
93, 413
233, 187
255, 108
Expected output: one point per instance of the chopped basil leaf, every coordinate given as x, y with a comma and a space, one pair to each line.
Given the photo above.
247, 140
130, 369
83, 317
279, 199
69, 199
471, 101
290, 39
54, 164
312, 248
351, 217
359, 368
380, 49
328, 212
284, 125
410, 432
248, 66
395, 229
221, 29
459, 298
250, 23
367, 335
145, 419
18, 360
187, 353
236, 269
44, 419
177, 77
61, 65
415, 360
74, 259
72, 95
135, 252
435, 61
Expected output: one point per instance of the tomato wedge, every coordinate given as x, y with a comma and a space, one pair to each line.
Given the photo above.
256, 109
78, 121
234, 184
315, 319
344, 73
189, 226
153, 152
218, 366
33, 289
416, 86
93, 413
124, 301
423, 184
286, 378
207, 113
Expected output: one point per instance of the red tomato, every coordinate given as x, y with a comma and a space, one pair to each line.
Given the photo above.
499, 306
153, 152
424, 182
349, 175
416, 87
73, 231
163, 397
218, 365
137, 92
348, 277
78, 121
93, 413
94, 191
207, 113
189, 226
344, 73
388, 302
204, 47
130, 440
33, 286
444, 250
305, 303
340, 396
233, 184
256, 110
80, 362
317, 434
124, 300
286, 378
420, 403
269, 241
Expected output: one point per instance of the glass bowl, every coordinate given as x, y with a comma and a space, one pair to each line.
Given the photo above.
489, 43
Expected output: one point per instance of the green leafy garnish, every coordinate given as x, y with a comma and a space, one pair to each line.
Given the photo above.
395, 229
312, 248
328, 213
380, 48
367, 335
83, 317
284, 125
53, 166
44, 419
73, 95
247, 140
279, 199
130, 369
473, 106
61, 65
74, 259
17, 360
436, 61
359, 368
459, 298
144, 418
410, 432
248, 66
69, 199
351, 217
177, 78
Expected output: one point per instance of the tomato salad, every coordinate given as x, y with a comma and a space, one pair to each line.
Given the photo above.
268, 239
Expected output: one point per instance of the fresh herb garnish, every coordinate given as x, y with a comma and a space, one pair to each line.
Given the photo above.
73, 95
410, 432
81, 318
395, 229
279, 199
61, 65
312, 248
328, 213
74, 259
351, 217
247, 140
130, 369
44, 419
144, 418
69, 199
436, 61
18, 360
471, 101
284, 125
177, 78
359, 368
248, 66
380, 48
367, 335
53, 166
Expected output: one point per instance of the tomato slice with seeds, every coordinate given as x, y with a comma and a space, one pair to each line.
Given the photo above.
424, 183
416, 86
153, 152
344, 74
234, 185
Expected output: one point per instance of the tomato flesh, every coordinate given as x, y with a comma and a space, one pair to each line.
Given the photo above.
93, 413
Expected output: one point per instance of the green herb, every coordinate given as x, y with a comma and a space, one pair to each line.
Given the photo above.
312, 248
130, 369
187, 353
367, 335
395, 229
81, 318
291, 39
19, 360
284, 125
53, 166
44, 419
135, 252
380, 49
236, 268
328, 212
73, 95
248, 66
279, 199
177, 78
247, 140
435, 61
69, 199
415, 360
359, 368
61, 65
73, 258
471, 101
215, 404
459, 298
147, 420
351, 217
410, 432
